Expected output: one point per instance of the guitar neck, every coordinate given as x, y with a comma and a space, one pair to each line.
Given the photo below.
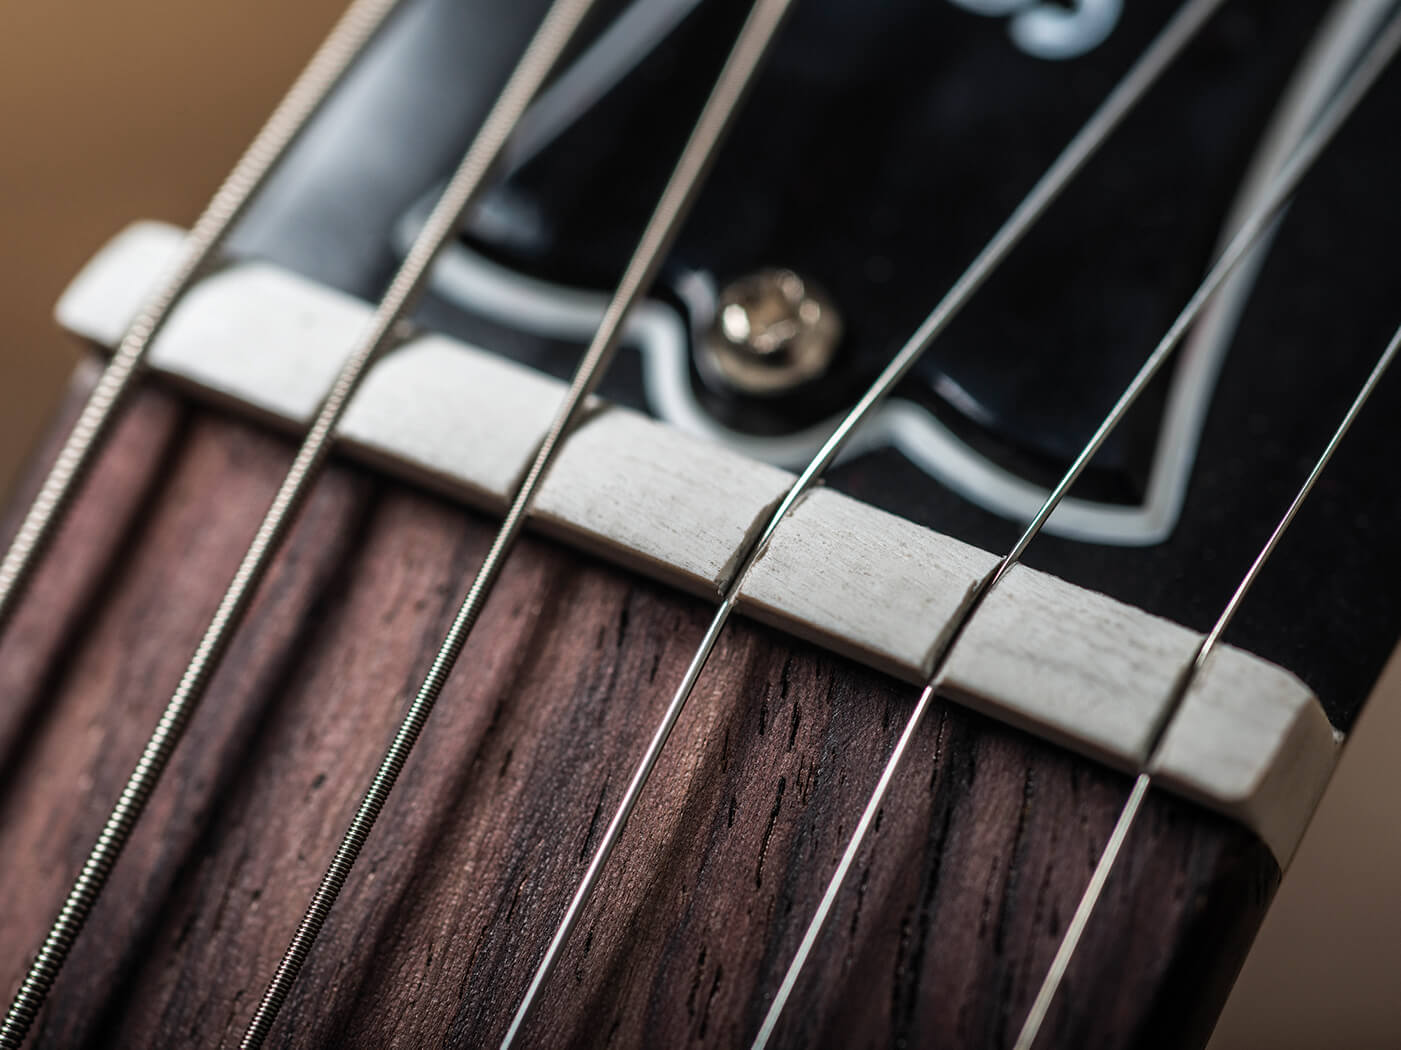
920, 602
708, 895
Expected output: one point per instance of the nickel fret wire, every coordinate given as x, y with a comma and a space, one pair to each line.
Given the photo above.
1075, 930
1168, 44
749, 49
340, 48
549, 41
1356, 86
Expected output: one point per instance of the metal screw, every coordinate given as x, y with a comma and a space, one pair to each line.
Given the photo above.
772, 332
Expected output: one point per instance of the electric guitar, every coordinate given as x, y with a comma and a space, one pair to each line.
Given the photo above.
649, 522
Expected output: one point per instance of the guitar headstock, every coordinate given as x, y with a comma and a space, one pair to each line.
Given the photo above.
873, 160
870, 163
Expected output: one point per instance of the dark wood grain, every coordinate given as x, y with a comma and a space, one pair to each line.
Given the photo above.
948, 923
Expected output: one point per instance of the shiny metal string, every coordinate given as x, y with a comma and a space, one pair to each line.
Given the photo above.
345, 42
1169, 43
403, 292
1076, 929
1259, 220
340, 49
730, 88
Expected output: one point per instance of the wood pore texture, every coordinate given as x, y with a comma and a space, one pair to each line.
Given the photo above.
939, 939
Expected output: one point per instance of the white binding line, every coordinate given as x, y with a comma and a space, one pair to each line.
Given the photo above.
552, 311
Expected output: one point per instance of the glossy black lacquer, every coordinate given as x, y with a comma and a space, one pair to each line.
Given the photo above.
882, 146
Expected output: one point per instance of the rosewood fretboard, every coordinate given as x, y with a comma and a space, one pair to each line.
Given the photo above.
939, 940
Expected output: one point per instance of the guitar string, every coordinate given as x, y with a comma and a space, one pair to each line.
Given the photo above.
1310, 147
1055, 975
731, 86
1141, 76
549, 42
345, 42
154, 318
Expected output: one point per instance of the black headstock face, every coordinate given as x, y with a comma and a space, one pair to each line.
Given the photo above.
880, 149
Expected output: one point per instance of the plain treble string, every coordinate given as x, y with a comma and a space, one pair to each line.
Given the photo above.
1352, 91
404, 290
728, 93
1144, 73
345, 42
1041, 1006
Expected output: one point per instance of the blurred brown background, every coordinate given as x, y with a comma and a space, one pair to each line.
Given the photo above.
115, 111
